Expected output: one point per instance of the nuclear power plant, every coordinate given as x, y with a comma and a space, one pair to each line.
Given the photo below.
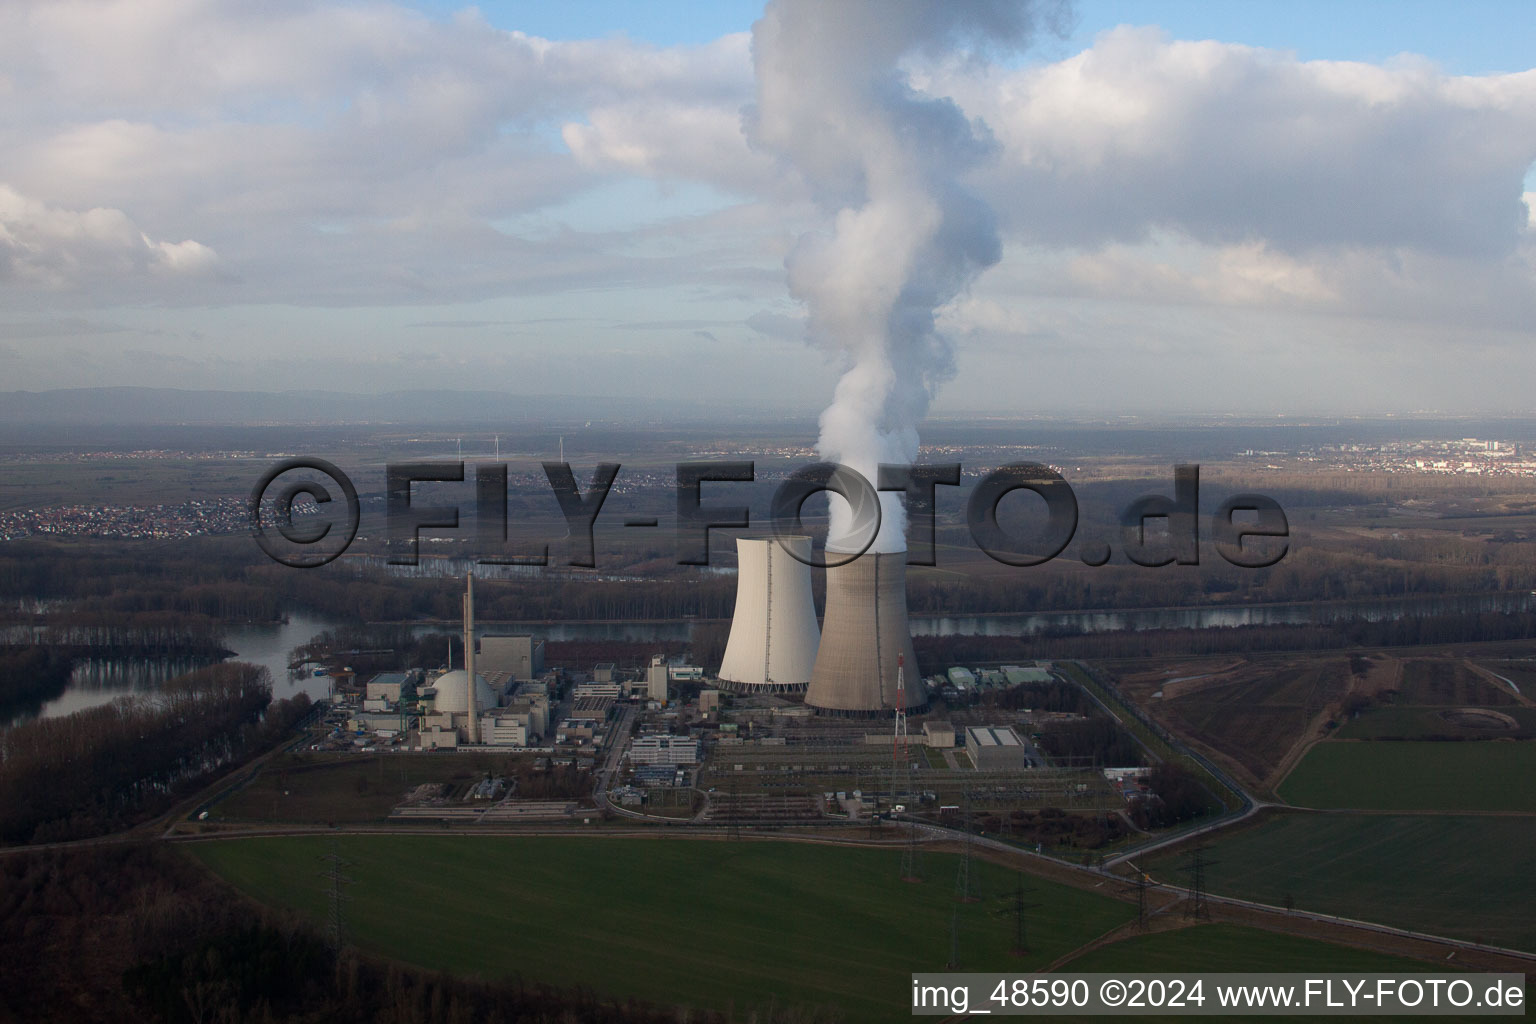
773, 638
863, 637
847, 668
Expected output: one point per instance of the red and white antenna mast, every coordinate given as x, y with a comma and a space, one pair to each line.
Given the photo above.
899, 754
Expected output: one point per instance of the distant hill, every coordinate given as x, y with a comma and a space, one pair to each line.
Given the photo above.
172, 406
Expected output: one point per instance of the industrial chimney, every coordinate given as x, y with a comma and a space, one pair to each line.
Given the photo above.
863, 638
472, 705
773, 638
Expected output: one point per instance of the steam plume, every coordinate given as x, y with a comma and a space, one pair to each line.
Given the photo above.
904, 237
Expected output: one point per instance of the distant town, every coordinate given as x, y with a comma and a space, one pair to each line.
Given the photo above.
1470, 456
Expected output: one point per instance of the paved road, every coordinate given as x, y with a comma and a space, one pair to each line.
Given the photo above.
618, 739
1254, 807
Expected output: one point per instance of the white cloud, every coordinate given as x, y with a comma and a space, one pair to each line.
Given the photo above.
182, 257
339, 152
1230, 144
43, 245
316, 155
673, 140
1172, 270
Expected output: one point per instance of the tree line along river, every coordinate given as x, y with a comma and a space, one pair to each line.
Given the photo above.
96, 681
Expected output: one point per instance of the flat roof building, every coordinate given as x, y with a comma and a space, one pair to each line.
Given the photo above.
659, 775
577, 730
522, 657
380, 722
612, 690
592, 707
504, 727
672, 750
656, 677
995, 748
437, 739
386, 686
938, 734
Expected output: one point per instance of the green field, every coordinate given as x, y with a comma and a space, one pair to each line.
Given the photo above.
1399, 722
672, 921
1230, 947
1489, 775
1463, 876
1227, 947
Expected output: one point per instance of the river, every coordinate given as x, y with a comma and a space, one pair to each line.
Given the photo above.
98, 681
1375, 609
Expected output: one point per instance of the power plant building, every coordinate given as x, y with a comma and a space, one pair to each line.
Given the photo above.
457, 702
451, 693
671, 750
995, 747
773, 640
656, 678
507, 727
864, 638
521, 657
386, 686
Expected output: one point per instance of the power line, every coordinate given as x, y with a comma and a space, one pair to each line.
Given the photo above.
954, 938
336, 894
1018, 909
1197, 906
1139, 884
734, 831
911, 857
963, 874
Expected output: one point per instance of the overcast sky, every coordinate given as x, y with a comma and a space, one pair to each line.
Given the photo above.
1284, 207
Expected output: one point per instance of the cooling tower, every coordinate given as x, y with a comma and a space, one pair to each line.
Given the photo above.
863, 632
773, 638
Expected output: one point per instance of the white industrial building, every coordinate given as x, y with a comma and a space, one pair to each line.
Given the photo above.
656, 677
504, 727
534, 703
938, 734
995, 747
386, 686
521, 657
672, 750
611, 690
380, 723
436, 738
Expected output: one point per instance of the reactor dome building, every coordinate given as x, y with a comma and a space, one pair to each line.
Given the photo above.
773, 638
864, 637
453, 693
